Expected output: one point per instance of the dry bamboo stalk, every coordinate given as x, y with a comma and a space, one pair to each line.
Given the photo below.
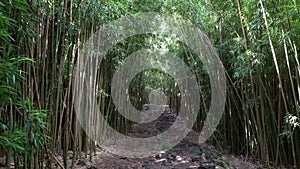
277, 71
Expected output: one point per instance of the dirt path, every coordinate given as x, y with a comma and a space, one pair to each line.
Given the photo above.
188, 154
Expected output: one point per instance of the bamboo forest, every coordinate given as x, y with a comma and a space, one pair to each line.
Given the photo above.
149, 84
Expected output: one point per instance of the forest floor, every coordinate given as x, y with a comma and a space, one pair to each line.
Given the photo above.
188, 154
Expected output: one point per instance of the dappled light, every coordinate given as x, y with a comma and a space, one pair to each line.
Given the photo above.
149, 84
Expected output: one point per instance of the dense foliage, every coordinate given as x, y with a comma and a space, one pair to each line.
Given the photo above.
257, 41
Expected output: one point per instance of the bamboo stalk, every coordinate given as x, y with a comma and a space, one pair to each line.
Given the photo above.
277, 70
